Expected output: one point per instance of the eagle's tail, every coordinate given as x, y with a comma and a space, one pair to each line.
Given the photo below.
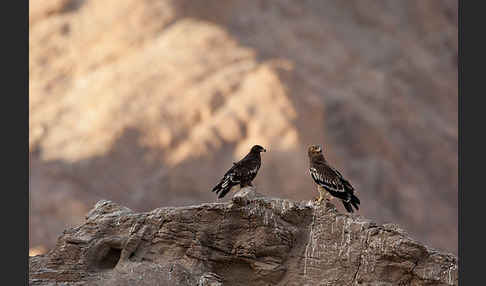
351, 200
348, 207
347, 197
222, 188
355, 201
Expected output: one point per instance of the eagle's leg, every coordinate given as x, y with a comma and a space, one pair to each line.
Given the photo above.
322, 194
317, 198
328, 196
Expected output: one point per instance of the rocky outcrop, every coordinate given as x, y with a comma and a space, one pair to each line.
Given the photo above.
250, 240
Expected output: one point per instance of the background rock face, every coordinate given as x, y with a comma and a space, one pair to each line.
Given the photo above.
252, 240
147, 103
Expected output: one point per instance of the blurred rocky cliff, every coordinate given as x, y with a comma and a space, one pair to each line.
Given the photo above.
148, 102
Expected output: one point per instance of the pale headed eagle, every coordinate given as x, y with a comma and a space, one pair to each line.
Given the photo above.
242, 172
329, 180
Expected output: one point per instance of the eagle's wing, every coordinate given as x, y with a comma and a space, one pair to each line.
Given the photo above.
230, 179
347, 185
248, 169
232, 176
327, 177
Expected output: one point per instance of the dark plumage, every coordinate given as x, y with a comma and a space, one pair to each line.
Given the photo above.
330, 180
242, 172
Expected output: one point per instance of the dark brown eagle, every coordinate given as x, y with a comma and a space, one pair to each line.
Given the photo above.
329, 179
242, 172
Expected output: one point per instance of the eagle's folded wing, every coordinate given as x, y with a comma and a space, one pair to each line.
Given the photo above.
327, 178
247, 168
231, 177
253, 170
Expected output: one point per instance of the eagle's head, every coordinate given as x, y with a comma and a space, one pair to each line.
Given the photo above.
258, 149
314, 150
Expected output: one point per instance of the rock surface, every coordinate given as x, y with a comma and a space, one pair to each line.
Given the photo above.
251, 240
148, 102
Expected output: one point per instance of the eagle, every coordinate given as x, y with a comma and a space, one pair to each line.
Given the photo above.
329, 179
241, 173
